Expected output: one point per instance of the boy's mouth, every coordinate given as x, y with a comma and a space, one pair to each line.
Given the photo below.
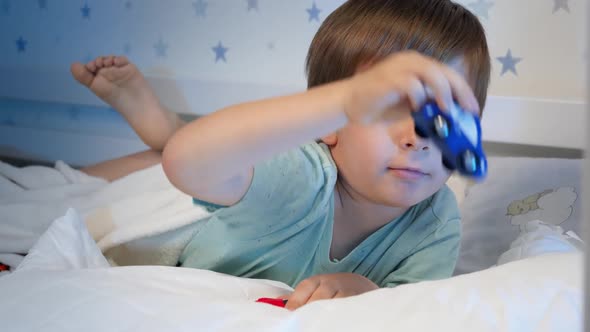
408, 173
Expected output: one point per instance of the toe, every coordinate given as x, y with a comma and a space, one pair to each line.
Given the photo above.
81, 73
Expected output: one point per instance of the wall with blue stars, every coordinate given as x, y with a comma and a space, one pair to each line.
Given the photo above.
208, 49
202, 55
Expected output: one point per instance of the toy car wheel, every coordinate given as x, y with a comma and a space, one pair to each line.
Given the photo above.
441, 127
419, 132
469, 161
447, 164
483, 165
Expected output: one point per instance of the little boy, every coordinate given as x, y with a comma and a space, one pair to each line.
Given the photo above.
363, 207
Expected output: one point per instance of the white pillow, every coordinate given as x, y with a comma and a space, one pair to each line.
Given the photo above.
538, 238
516, 191
66, 245
458, 185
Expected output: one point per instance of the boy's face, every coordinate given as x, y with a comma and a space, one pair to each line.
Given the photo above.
386, 162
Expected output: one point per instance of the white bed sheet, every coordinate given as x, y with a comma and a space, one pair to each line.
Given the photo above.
66, 285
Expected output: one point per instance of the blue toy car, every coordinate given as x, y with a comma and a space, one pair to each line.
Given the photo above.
457, 134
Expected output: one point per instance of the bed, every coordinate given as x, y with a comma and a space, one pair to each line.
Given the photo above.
92, 264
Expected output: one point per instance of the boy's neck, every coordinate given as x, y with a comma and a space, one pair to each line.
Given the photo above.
356, 218
356, 207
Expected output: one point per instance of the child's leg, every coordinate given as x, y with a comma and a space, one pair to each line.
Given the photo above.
121, 85
117, 168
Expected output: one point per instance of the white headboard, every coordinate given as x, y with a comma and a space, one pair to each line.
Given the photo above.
82, 135
534, 127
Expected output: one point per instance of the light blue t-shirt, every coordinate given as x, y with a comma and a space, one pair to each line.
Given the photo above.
282, 230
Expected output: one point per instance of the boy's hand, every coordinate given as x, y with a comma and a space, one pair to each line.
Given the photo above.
328, 286
401, 78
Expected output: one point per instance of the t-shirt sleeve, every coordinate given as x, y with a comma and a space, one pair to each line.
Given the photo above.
434, 258
287, 183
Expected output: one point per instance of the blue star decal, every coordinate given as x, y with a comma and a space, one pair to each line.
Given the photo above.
42, 4
161, 48
127, 48
85, 11
21, 45
128, 5
200, 8
220, 52
509, 63
314, 13
252, 4
6, 5
481, 8
561, 4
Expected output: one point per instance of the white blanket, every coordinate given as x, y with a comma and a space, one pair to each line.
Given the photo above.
65, 284
138, 219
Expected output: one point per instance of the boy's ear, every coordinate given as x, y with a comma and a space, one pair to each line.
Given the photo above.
331, 139
363, 66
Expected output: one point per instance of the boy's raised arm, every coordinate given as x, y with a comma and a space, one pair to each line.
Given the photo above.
212, 158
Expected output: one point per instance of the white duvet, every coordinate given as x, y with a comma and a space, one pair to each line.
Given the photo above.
65, 284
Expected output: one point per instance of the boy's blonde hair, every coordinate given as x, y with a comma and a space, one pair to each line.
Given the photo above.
362, 31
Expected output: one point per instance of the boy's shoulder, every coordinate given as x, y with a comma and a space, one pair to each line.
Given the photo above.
442, 205
320, 152
312, 161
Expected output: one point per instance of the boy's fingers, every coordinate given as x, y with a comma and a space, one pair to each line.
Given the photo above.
461, 91
434, 78
322, 293
444, 82
302, 293
416, 93
338, 295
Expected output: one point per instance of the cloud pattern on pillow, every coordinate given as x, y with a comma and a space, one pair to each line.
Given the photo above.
552, 206
516, 192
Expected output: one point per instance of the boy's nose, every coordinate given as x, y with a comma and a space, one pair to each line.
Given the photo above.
411, 141
404, 133
416, 146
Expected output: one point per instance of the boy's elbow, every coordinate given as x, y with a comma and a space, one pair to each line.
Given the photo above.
171, 165
181, 170
175, 166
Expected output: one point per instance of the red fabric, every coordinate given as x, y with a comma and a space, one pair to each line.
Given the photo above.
4, 267
276, 302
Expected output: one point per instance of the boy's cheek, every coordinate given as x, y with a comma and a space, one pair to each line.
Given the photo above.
443, 174
437, 164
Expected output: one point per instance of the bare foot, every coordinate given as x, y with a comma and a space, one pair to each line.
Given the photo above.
120, 84
116, 81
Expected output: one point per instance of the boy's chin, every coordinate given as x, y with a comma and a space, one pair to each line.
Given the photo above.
403, 202
407, 200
